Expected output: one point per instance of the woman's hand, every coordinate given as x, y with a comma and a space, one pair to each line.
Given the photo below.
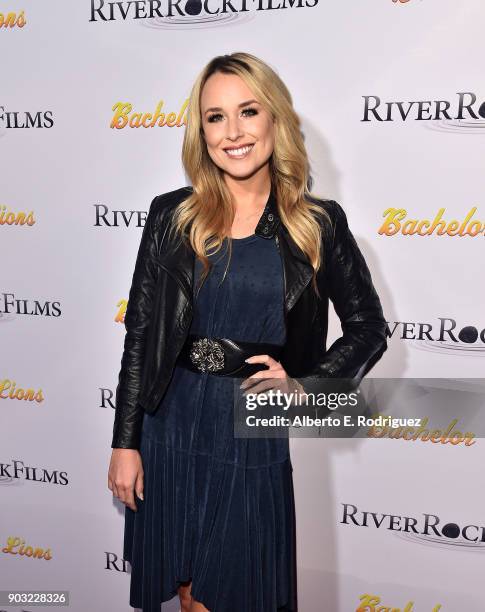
125, 475
278, 378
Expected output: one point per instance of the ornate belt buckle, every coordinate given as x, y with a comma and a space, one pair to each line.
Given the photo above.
207, 355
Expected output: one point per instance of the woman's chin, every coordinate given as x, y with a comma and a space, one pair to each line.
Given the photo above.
244, 171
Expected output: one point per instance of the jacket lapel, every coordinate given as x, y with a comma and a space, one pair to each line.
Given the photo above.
297, 269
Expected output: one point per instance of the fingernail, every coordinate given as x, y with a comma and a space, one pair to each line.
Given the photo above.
140, 495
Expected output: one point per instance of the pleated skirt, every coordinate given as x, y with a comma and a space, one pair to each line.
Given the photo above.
225, 520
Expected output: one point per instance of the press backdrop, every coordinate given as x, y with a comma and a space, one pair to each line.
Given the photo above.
392, 101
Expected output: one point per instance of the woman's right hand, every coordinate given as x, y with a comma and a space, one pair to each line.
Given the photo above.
125, 475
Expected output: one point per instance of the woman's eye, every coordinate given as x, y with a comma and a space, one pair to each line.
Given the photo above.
251, 111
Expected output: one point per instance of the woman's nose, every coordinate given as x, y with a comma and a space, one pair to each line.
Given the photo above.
234, 128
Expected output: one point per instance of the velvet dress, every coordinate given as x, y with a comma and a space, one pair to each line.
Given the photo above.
217, 509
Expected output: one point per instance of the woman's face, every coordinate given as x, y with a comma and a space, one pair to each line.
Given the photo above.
238, 131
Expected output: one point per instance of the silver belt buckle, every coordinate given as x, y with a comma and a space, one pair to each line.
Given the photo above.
207, 354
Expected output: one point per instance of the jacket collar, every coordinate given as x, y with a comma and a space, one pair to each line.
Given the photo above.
180, 260
270, 220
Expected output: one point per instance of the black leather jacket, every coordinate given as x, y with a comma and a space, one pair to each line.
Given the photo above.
160, 308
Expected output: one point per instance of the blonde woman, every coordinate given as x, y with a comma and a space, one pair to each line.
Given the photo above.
232, 279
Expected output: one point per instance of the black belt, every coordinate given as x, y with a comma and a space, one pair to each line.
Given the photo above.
223, 356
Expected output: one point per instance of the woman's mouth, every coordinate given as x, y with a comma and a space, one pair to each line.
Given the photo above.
240, 153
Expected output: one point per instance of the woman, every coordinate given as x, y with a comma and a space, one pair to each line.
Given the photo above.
239, 266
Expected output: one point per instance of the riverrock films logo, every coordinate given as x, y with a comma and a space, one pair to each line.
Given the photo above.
17, 470
10, 119
464, 112
443, 337
116, 563
164, 13
104, 217
427, 528
10, 305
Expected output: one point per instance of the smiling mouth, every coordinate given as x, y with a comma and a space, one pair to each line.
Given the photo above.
239, 153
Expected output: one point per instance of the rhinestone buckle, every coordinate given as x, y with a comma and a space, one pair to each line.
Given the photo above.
207, 355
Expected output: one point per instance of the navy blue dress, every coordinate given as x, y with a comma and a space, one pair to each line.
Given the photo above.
217, 509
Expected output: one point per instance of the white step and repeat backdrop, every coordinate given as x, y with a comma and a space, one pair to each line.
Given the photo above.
392, 100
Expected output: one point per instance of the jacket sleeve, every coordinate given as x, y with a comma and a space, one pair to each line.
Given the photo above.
129, 415
357, 305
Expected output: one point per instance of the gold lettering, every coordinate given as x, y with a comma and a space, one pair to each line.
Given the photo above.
27, 551
368, 603
10, 20
437, 221
21, 21
435, 435
453, 228
145, 117
392, 223
406, 431
447, 432
182, 110
120, 118
456, 438
468, 439
478, 226
421, 429
135, 120
421, 224
396, 433
120, 315
11, 543
157, 114
171, 118
394, 217
470, 214
411, 223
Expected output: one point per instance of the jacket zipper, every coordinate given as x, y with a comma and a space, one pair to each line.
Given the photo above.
285, 311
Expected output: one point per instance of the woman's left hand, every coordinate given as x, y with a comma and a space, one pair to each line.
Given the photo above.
275, 377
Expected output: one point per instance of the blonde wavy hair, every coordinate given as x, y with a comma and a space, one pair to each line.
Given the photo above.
206, 216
